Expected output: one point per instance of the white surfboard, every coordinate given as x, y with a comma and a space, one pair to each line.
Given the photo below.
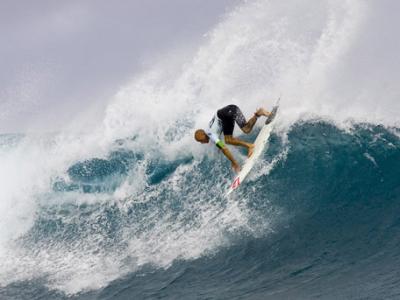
259, 146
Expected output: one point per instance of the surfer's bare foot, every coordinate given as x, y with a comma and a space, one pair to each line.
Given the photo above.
263, 112
250, 150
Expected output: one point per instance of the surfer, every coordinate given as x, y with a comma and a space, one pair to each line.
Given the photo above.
224, 122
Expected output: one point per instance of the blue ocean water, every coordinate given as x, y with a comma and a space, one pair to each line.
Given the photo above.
318, 220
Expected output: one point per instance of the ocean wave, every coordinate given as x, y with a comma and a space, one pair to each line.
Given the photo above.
334, 193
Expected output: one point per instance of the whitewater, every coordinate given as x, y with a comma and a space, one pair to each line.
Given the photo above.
135, 208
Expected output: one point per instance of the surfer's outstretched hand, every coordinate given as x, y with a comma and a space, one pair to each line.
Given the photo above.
236, 167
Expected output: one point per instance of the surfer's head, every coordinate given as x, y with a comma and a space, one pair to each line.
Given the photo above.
201, 136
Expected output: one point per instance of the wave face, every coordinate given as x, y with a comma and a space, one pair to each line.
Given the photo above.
136, 208
318, 218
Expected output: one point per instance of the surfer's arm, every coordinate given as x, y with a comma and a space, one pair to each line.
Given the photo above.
229, 155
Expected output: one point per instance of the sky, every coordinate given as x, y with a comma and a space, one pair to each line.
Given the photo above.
60, 57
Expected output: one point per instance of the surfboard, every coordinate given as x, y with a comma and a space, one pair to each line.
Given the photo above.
259, 145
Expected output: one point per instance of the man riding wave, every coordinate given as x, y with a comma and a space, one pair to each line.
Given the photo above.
224, 122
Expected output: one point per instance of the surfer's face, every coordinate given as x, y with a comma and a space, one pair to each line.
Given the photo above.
201, 136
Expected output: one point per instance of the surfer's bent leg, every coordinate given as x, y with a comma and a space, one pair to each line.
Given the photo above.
239, 118
246, 126
250, 124
228, 116
231, 114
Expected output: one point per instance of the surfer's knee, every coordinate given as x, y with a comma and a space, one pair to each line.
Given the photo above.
246, 129
228, 139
